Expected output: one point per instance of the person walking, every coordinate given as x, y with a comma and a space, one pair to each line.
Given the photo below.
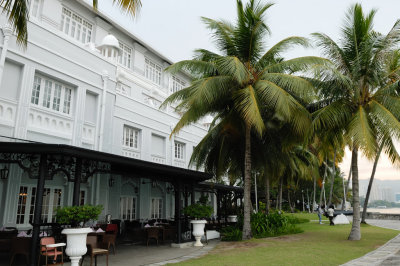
320, 212
331, 210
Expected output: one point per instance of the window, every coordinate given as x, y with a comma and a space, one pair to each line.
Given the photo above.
75, 26
156, 208
51, 95
35, 8
131, 137
153, 71
179, 150
126, 55
82, 197
128, 208
36, 90
176, 84
22, 199
52, 198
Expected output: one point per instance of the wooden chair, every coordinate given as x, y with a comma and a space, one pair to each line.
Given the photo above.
49, 248
169, 233
21, 246
95, 248
110, 237
109, 240
152, 233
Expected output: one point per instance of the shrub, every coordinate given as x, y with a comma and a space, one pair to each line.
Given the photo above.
198, 211
273, 224
231, 233
75, 215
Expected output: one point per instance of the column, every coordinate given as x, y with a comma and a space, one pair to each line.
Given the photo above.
7, 31
178, 207
105, 78
38, 208
77, 181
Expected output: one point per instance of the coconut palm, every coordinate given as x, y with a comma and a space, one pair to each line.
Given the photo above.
392, 67
360, 104
18, 14
243, 81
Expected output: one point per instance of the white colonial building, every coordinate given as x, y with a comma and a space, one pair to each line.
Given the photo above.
85, 81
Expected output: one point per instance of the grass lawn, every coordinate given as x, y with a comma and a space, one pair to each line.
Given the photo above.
317, 245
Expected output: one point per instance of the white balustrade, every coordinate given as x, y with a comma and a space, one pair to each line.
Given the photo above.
7, 112
45, 121
179, 163
131, 153
88, 133
158, 159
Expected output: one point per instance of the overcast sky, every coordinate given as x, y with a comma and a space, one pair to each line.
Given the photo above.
174, 28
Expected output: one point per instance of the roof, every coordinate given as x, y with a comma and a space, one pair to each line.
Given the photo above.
119, 164
220, 187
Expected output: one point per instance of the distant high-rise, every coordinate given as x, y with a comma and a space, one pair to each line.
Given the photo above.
397, 195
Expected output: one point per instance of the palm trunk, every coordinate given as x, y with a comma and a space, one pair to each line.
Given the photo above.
346, 189
332, 179
315, 190
355, 233
290, 202
323, 186
247, 186
280, 193
267, 194
371, 180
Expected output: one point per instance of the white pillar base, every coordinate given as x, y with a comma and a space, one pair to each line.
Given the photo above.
198, 242
75, 260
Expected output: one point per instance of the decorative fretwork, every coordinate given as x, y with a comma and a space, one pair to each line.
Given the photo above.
55, 164
90, 167
59, 163
28, 162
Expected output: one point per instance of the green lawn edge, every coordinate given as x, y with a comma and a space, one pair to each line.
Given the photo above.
317, 245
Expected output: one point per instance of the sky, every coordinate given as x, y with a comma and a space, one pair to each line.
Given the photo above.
174, 28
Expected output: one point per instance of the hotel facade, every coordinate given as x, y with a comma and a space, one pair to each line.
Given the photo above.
85, 82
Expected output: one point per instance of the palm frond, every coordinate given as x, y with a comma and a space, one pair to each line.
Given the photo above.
18, 16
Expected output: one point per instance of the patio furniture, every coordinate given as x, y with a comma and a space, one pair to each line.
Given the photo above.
49, 249
169, 233
95, 248
111, 236
6, 235
20, 246
152, 233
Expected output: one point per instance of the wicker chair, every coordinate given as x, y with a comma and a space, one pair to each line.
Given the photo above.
21, 246
95, 248
152, 233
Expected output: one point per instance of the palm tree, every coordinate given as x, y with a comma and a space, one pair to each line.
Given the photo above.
360, 105
243, 81
392, 67
18, 14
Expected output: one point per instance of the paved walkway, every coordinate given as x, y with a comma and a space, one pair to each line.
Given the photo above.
388, 254
135, 255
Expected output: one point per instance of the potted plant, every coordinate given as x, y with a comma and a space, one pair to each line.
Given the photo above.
77, 216
198, 212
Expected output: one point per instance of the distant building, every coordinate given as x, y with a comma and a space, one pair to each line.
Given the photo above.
397, 196
387, 194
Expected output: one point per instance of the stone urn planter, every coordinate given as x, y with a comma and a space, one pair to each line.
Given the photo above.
198, 231
76, 243
77, 216
199, 211
232, 219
